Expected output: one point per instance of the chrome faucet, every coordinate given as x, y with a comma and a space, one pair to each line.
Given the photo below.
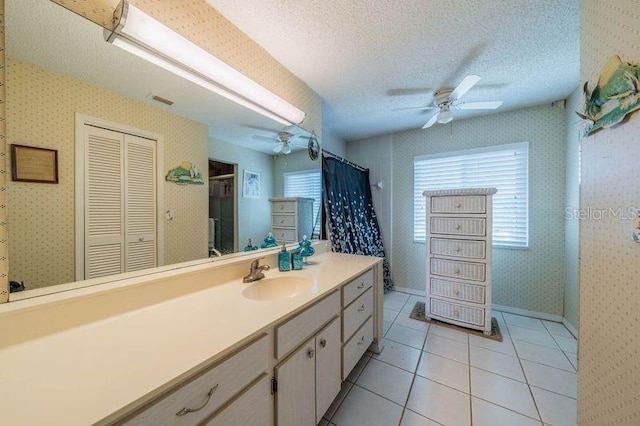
255, 273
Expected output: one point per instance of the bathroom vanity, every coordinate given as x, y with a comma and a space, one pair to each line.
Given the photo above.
194, 345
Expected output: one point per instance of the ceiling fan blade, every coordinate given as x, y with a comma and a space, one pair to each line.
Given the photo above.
431, 121
479, 105
467, 83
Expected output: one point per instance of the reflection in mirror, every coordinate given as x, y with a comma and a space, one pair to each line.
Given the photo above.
58, 66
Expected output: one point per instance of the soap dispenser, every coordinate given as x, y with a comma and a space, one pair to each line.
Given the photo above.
284, 259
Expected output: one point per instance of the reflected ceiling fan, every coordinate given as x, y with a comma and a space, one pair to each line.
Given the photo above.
284, 142
447, 100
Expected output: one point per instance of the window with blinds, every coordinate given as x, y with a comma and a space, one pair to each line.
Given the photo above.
306, 184
505, 167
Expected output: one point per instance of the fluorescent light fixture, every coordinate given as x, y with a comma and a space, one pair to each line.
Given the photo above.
147, 38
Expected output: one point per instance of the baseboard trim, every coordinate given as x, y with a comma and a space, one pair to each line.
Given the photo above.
410, 291
527, 313
570, 327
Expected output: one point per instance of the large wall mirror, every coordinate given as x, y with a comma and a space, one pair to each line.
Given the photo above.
60, 71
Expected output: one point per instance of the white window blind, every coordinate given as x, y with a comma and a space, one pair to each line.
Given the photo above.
505, 167
307, 184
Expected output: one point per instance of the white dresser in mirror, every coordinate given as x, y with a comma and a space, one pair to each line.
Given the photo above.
291, 219
458, 237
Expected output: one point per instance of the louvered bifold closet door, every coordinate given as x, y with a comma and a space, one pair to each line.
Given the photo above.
104, 213
140, 196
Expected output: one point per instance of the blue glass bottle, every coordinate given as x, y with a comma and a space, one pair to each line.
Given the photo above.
284, 260
296, 260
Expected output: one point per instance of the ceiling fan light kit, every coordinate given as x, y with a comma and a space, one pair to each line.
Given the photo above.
143, 36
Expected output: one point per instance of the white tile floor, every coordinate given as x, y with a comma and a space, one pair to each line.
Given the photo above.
431, 375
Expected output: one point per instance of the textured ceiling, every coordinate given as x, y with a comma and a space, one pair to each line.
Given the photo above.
361, 56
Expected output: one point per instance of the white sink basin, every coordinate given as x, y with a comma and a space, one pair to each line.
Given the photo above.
277, 288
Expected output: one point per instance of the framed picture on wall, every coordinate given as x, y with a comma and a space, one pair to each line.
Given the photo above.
32, 164
251, 184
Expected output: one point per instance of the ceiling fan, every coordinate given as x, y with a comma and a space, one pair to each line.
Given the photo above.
447, 100
284, 142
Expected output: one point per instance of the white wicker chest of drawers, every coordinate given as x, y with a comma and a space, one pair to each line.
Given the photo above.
291, 219
458, 237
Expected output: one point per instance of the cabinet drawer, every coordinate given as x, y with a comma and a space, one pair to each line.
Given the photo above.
457, 312
252, 408
278, 220
353, 350
460, 248
458, 226
298, 329
456, 269
284, 235
460, 291
283, 207
357, 313
223, 381
356, 287
459, 204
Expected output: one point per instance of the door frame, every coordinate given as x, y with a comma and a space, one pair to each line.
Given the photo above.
80, 121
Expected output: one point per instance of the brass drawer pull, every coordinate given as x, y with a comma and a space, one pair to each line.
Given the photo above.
323, 343
361, 342
457, 226
311, 353
361, 308
186, 410
457, 271
360, 287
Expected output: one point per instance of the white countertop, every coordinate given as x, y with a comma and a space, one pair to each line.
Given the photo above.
81, 375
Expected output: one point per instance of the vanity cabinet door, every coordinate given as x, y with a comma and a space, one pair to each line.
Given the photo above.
327, 367
296, 396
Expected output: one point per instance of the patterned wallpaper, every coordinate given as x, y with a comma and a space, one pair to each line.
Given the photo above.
609, 345
530, 279
40, 112
4, 244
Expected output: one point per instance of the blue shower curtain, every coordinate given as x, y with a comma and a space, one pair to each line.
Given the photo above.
350, 220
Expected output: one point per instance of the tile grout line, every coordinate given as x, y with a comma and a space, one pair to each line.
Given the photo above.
535, 403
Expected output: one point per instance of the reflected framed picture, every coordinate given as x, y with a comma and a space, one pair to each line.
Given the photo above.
251, 184
32, 164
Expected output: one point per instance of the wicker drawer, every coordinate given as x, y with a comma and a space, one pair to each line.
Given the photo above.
223, 381
283, 220
283, 207
356, 314
460, 291
356, 287
460, 248
457, 312
458, 226
298, 329
284, 235
456, 269
353, 350
459, 204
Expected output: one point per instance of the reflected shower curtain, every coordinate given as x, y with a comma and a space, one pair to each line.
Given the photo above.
352, 224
